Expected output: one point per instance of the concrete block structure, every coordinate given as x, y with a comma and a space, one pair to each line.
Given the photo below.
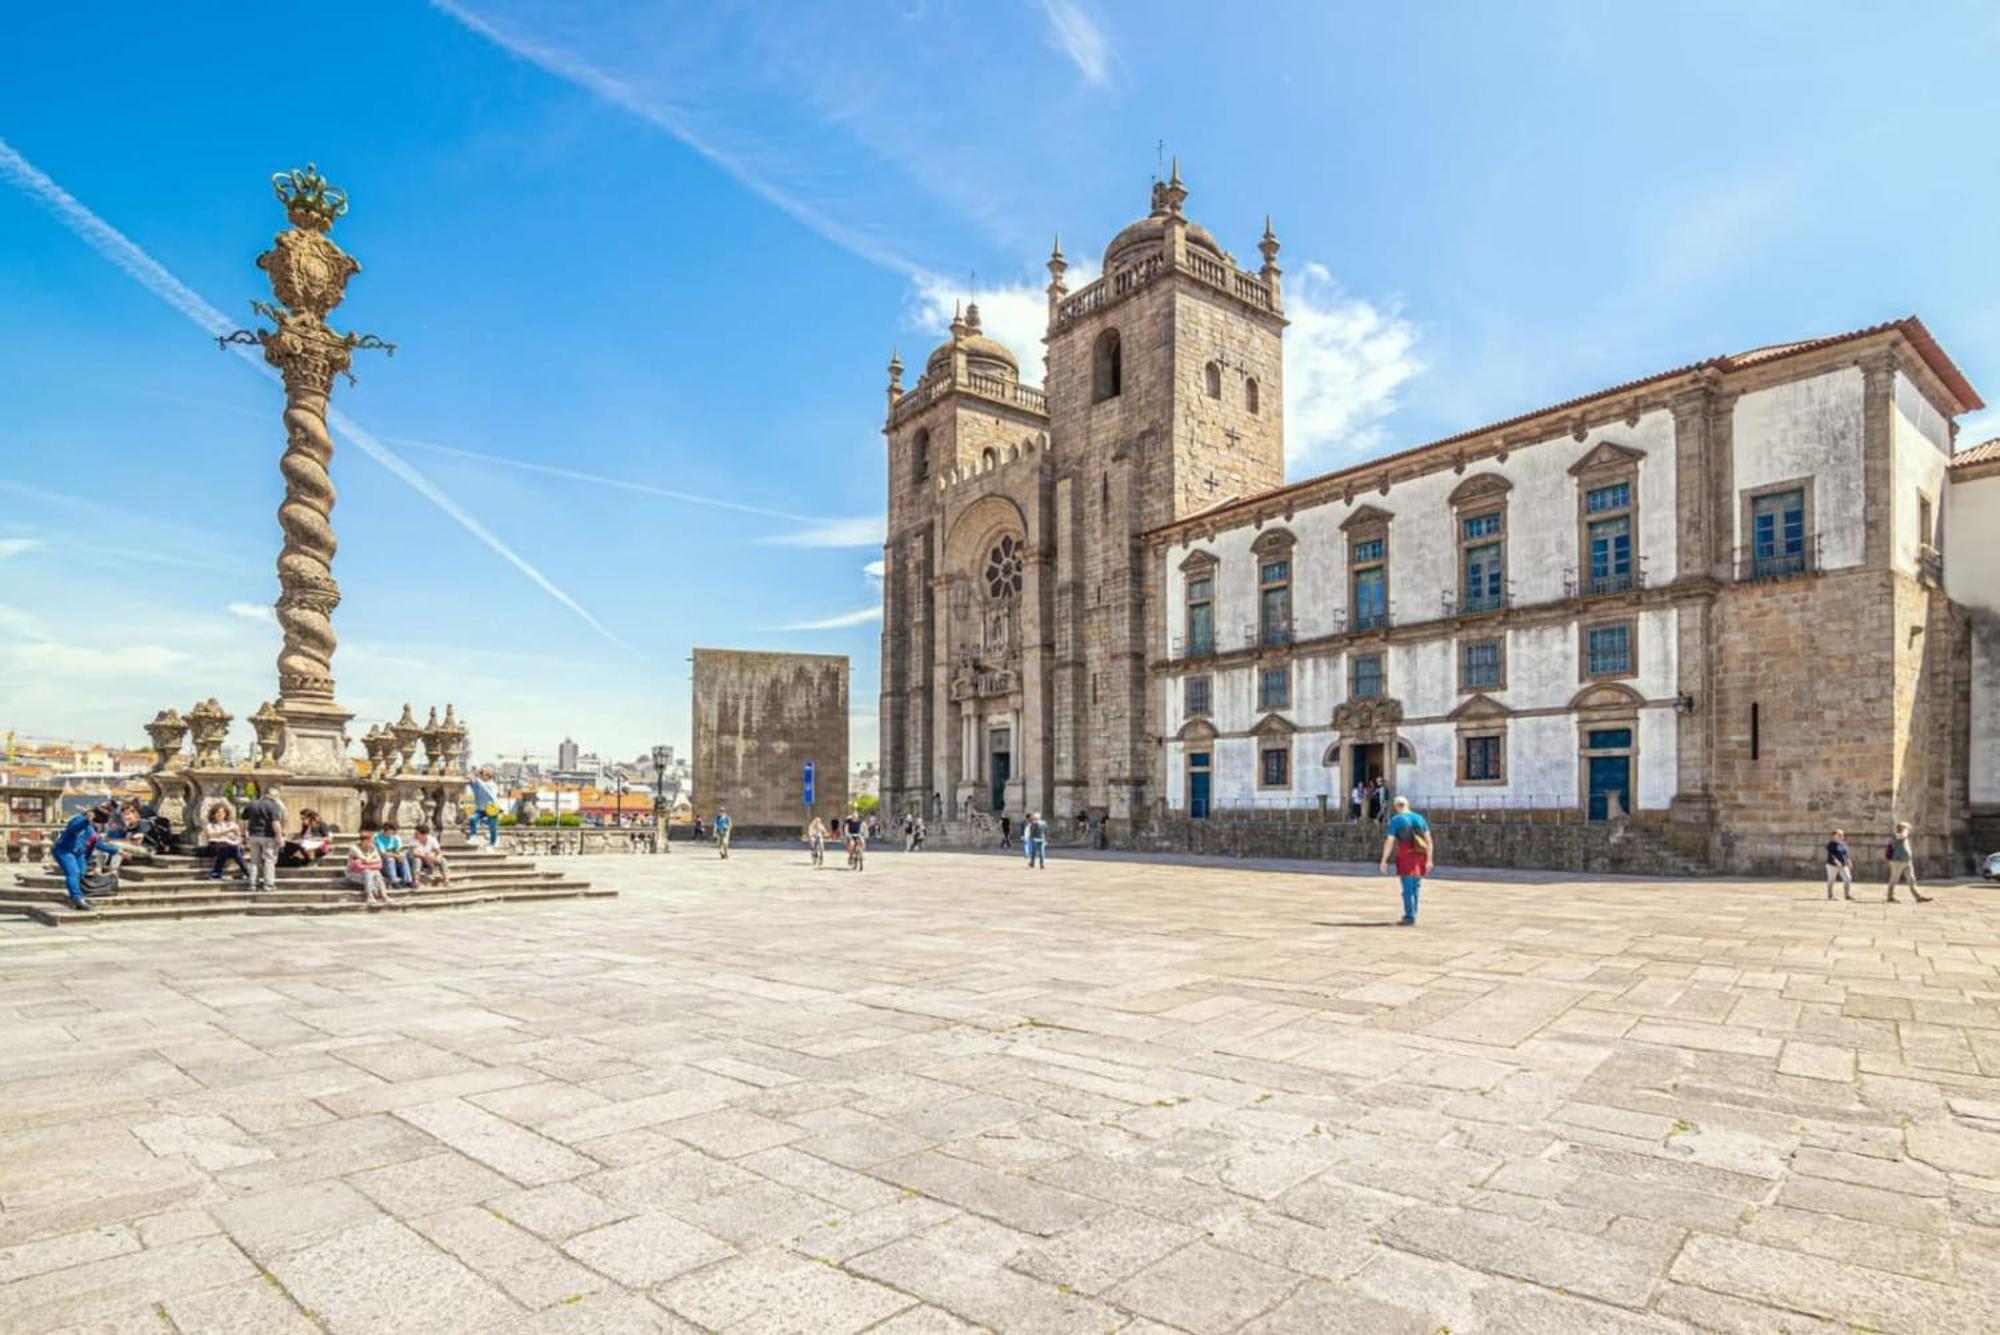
1714, 602
758, 719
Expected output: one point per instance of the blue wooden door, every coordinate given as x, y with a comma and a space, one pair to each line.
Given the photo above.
1198, 775
1608, 775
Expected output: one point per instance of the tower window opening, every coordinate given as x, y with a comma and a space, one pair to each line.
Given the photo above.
1107, 370
1213, 375
920, 455
1250, 397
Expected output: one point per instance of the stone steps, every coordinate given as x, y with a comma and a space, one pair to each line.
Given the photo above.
57, 913
177, 886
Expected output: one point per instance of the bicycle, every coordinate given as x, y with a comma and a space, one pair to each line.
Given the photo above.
819, 852
855, 854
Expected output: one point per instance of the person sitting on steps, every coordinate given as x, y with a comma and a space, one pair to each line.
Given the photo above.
225, 842
427, 856
364, 866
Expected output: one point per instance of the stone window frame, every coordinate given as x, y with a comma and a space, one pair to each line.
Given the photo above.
1211, 376
1266, 750
1199, 565
920, 455
1466, 686
1367, 524
1354, 675
1746, 505
1252, 395
1207, 684
1478, 496
1607, 465
1107, 365
1583, 629
1480, 718
1272, 545
1264, 673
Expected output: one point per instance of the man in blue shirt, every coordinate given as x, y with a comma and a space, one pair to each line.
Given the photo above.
1408, 840
80, 838
723, 825
485, 809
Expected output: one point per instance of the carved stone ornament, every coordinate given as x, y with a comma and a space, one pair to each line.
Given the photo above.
407, 732
270, 728
166, 731
208, 722
1363, 717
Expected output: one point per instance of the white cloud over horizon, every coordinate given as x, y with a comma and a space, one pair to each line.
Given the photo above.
18, 546
253, 612
860, 616
860, 531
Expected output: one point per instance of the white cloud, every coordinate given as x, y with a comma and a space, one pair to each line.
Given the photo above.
1077, 35
862, 531
860, 616
253, 612
18, 546
1346, 359
1015, 314
875, 570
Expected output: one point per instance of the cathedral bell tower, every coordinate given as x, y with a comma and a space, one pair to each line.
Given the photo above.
1166, 395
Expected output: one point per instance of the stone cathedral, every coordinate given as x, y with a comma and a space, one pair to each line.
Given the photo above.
1015, 635
1715, 610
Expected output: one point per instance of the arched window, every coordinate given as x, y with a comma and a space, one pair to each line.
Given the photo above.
1213, 375
1107, 370
1004, 564
920, 455
1250, 397
989, 457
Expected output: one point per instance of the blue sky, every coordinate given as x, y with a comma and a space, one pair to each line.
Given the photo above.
636, 254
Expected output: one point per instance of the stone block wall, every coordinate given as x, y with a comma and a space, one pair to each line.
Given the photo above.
758, 717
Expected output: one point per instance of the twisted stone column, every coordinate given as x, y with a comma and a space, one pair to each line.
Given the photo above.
308, 274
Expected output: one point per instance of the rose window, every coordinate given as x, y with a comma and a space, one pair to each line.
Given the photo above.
1003, 568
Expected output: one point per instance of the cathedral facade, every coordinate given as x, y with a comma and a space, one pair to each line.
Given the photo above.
1714, 599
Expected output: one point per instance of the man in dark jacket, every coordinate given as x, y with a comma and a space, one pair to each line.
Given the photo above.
264, 825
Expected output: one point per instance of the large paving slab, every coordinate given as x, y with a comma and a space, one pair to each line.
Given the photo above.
950, 1093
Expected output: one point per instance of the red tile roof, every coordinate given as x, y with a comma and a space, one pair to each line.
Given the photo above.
1987, 452
1910, 327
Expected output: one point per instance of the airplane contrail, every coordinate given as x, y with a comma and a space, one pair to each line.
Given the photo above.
115, 246
575, 69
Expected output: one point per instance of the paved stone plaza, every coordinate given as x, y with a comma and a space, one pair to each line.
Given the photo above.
950, 1093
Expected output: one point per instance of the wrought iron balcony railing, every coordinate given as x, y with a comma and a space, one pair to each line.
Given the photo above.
1373, 619
1464, 602
1584, 583
1761, 562
1268, 634
1194, 646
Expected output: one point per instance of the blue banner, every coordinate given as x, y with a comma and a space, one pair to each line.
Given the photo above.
809, 783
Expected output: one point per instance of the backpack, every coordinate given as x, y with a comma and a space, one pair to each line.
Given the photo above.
1420, 839
100, 881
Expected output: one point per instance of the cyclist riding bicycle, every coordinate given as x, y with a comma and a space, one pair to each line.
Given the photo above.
816, 836
857, 840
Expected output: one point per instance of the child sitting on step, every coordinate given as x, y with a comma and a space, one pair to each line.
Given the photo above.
364, 866
427, 856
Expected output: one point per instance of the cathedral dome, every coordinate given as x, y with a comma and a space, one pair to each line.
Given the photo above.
983, 356
1150, 232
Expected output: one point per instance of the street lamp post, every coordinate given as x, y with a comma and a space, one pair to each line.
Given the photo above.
660, 800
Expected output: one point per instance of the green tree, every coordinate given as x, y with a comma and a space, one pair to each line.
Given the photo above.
868, 804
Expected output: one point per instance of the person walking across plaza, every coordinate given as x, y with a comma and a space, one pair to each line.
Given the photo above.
1036, 833
1902, 866
1408, 841
485, 811
723, 825
264, 829
1839, 865
1006, 829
